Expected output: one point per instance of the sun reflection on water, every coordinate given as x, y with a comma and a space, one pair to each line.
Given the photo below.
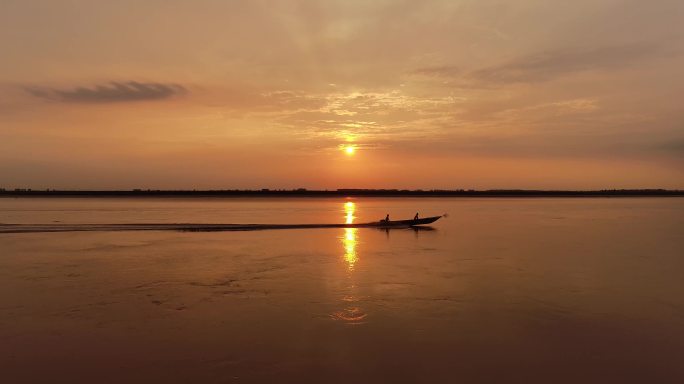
351, 313
349, 208
349, 239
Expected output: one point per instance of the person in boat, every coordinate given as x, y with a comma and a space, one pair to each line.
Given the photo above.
416, 216
387, 218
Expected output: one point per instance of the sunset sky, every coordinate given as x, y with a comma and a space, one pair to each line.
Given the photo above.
584, 94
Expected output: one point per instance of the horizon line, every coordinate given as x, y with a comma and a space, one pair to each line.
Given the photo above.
340, 192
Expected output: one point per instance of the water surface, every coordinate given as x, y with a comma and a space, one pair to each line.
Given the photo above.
502, 290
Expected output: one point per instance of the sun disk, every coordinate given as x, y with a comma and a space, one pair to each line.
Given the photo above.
349, 150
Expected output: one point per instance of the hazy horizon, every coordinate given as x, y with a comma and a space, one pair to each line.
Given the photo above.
341, 94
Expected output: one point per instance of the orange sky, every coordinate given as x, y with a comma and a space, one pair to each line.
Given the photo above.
268, 94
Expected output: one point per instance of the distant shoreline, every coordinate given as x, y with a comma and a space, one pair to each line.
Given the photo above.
344, 193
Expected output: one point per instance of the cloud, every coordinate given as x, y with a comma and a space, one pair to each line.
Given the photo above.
368, 115
111, 92
674, 145
438, 71
549, 65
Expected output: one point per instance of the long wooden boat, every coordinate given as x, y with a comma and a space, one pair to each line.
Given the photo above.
400, 223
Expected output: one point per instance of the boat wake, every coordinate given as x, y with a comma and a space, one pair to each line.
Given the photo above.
36, 228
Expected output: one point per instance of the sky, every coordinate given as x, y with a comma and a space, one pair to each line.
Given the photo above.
209, 94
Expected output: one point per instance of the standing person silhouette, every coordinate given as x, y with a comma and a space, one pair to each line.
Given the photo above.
387, 218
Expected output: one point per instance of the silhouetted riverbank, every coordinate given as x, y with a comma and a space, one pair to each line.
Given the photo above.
344, 193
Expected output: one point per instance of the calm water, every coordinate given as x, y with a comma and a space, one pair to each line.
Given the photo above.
502, 290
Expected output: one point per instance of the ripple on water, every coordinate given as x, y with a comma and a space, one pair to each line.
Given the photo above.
351, 315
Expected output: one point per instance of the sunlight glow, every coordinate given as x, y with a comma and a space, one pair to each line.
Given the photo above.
349, 150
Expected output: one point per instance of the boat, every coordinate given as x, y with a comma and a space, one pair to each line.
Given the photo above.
400, 223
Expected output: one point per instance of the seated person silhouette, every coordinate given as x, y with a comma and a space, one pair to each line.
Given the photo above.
416, 216
387, 218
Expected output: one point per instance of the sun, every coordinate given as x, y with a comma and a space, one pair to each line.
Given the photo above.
349, 150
